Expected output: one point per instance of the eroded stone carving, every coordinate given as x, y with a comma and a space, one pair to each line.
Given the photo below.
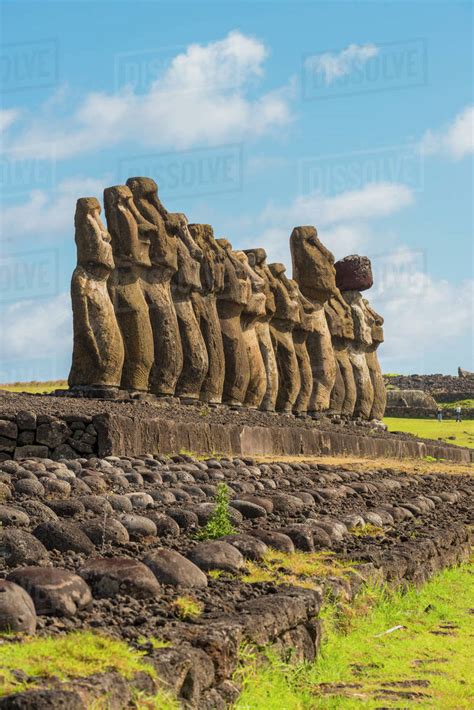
230, 304
185, 282
98, 352
156, 285
380, 392
339, 318
258, 261
357, 354
286, 317
301, 331
205, 308
313, 270
130, 234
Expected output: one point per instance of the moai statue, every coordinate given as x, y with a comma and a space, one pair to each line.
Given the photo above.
98, 353
131, 247
205, 308
257, 259
253, 311
230, 304
156, 286
185, 282
287, 316
300, 335
354, 274
313, 270
380, 392
341, 327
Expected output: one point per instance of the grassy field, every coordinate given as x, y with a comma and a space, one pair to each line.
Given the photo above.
366, 661
35, 387
463, 432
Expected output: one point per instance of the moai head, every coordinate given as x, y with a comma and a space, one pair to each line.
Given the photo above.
377, 325
92, 238
236, 281
257, 259
256, 301
213, 261
287, 306
130, 235
354, 273
187, 278
163, 247
313, 264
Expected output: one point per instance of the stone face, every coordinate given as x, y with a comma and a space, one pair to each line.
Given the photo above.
354, 273
257, 260
185, 282
230, 305
156, 286
53, 590
253, 311
17, 611
215, 554
98, 349
205, 308
285, 318
170, 567
313, 269
131, 249
110, 576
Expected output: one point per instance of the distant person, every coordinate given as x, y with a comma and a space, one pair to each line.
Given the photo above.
457, 412
439, 414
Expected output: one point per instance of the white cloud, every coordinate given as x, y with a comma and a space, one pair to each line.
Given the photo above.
455, 141
333, 66
7, 118
48, 214
202, 98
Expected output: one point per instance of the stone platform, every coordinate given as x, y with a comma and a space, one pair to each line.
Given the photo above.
59, 427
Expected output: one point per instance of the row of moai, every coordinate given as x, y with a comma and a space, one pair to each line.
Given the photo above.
162, 306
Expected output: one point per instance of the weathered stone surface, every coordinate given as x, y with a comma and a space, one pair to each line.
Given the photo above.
13, 516
357, 354
230, 305
184, 283
249, 510
165, 525
411, 399
98, 349
130, 244
110, 576
285, 318
19, 547
156, 285
170, 567
205, 309
138, 526
215, 554
380, 393
53, 590
31, 451
26, 420
29, 486
301, 331
63, 536
54, 433
43, 699
354, 273
257, 259
276, 540
339, 319
101, 531
251, 547
8, 429
17, 611
313, 269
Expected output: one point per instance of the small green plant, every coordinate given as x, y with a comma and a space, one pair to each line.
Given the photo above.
367, 530
187, 608
219, 524
204, 411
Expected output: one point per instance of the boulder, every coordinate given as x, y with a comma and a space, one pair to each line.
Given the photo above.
215, 554
354, 273
63, 536
109, 576
54, 590
170, 567
17, 611
19, 547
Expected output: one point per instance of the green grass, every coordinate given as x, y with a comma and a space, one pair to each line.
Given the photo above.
219, 523
35, 387
463, 403
362, 666
433, 429
300, 569
75, 655
187, 608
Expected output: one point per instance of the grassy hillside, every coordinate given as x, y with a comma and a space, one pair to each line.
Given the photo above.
450, 431
35, 387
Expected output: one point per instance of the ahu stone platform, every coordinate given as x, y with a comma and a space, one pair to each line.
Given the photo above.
63, 428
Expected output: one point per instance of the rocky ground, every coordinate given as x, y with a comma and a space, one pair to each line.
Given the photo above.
112, 545
444, 388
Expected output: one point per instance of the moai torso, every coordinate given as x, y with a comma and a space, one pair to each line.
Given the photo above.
186, 282
301, 331
285, 319
257, 259
339, 318
205, 308
131, 244
98, 351
380, 392
358, 349
230, 303
313, 270
156, 286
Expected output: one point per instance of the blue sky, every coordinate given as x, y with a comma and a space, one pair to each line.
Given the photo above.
255, 117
